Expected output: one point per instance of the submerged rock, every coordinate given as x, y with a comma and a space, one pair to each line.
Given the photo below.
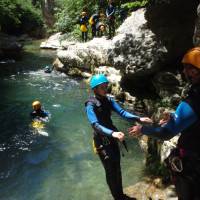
151, 189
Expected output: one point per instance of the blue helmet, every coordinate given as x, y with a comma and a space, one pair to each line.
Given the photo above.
98, 80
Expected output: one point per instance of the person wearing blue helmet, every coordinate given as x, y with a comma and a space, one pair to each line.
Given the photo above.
106, 135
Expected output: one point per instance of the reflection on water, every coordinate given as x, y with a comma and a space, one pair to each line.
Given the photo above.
62, 165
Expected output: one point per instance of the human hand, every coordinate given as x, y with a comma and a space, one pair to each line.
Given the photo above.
146, 120
165, 118
135, 131
118, 135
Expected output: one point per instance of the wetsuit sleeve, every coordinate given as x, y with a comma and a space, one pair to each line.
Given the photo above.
127, 115
95, 123
45, 114
81, 21
32, 115
183, 117
111, 13
107, 12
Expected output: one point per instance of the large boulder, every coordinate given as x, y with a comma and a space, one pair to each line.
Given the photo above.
149, 41
53, 42
152, 40
85, 55
134, 47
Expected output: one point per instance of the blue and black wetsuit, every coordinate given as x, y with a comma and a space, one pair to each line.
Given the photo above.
95, 18
110, 14
185, 120
38, 114
99, 115
84, 21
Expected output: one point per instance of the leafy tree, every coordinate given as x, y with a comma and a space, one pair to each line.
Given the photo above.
68, 13
19, 16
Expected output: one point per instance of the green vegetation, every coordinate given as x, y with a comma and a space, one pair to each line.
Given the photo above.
19, 16
135, 5
68, 13
25, 16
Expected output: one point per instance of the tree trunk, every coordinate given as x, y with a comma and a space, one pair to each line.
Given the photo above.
48, 12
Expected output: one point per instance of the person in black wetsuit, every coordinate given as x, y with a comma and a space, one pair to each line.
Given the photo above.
94, 19
106, 135
110, 14
184, 160
83, 26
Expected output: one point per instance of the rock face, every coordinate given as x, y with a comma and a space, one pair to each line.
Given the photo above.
153, 40
196, 38
149, 41
53, 42
134, 47
85, 55
9, 46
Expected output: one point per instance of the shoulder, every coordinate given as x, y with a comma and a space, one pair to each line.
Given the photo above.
185, 110
194, 104
33, 113
93, 101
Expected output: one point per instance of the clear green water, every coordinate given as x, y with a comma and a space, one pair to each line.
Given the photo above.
61, 166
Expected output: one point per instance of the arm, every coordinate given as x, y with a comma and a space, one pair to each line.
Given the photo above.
112, 12
183, 117
95, 123
127, 115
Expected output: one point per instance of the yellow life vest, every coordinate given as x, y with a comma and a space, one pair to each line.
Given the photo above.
37, 124
83, 28
94, 147
91, 21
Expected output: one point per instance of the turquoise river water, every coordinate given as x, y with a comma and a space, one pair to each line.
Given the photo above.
62, 165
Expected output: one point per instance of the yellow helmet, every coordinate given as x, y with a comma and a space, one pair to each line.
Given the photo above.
36, 105
192, 57
83, 13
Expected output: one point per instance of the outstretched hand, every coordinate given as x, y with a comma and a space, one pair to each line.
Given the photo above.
165, 118
135, 131
146, 120
118, 135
